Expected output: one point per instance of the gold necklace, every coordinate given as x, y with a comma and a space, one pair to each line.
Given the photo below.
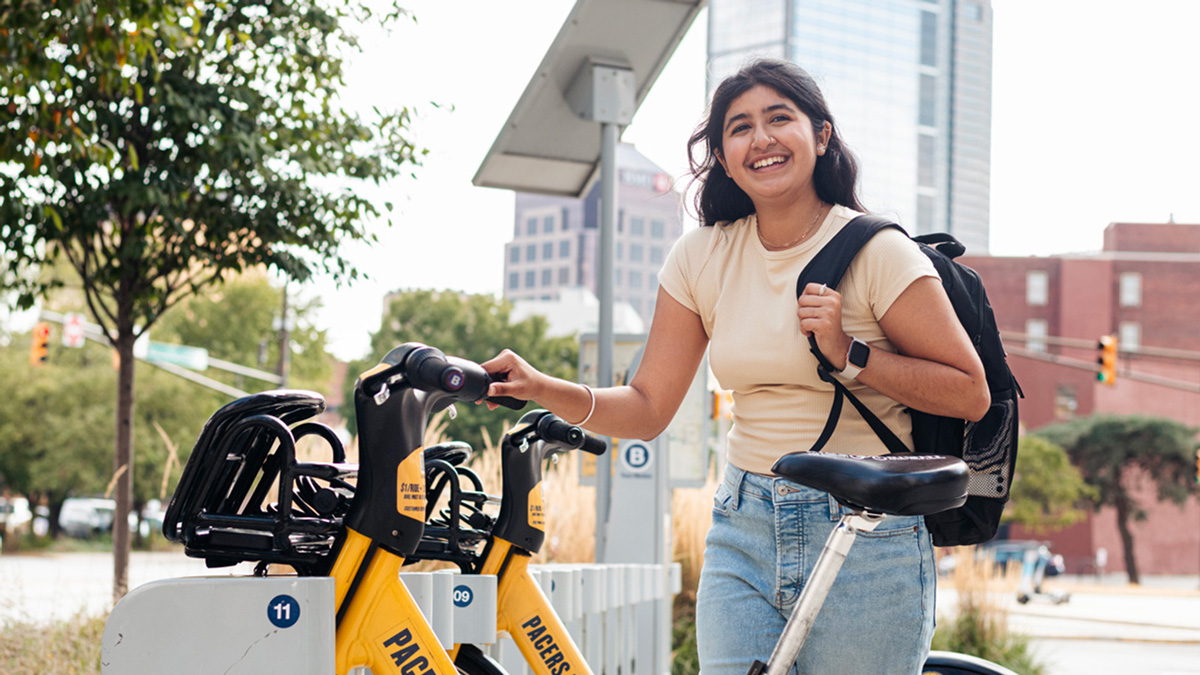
780, 247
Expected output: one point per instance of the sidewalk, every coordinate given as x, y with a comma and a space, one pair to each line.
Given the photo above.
1162, 609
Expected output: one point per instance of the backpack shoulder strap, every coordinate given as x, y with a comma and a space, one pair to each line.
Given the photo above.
831, 262
828, 267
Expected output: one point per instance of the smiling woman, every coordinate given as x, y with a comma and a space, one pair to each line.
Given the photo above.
776, 184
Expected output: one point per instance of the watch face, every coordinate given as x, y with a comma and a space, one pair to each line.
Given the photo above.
859, 351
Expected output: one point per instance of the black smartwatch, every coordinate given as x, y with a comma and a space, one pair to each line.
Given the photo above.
856, 358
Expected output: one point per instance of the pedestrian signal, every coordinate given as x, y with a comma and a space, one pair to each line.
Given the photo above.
1107, 374
39, 351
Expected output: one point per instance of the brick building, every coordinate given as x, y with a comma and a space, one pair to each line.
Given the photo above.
1143, 287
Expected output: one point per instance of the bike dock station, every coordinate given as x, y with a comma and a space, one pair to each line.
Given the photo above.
292, 619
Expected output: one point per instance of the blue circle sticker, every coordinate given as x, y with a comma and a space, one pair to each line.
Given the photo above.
283, 611
636, 457
463, 595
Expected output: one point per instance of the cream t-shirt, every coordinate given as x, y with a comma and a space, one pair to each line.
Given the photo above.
745, 296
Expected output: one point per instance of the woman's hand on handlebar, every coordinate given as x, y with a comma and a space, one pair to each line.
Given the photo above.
513, 376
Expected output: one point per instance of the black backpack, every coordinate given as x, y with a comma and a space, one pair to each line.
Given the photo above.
989, 446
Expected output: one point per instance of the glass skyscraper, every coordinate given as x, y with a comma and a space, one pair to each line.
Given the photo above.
909, 85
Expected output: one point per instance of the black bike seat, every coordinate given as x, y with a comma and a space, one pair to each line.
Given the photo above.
900, 485
454, 452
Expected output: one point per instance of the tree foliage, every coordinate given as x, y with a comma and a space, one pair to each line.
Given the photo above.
157, 145
1048, 489
236, 321
56, 425
474, 327
1112, 452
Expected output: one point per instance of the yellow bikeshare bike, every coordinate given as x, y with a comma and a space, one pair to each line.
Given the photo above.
502, 545
345, 529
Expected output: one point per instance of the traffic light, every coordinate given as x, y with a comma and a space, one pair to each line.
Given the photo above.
1198, 466
1107, 373
39, 350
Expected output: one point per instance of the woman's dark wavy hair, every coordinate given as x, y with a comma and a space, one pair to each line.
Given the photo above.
719, 198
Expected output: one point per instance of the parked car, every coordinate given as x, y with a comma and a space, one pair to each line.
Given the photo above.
86, 517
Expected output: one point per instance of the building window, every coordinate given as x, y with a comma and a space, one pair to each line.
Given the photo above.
656, 255
530, 252
637, 227
974, 11
1037, 288
547, 250
514, 254
924, 214
928, 99
925, 156
658, 229
1129, 336
620, 250
635, 280
564, 276
1131, 289
635, 253
564, 248
547, 277
928, 39
530, 279
548, 224
531, 226
1035, 335
514, 281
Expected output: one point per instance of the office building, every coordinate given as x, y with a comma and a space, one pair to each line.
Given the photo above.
555, 239
908, 83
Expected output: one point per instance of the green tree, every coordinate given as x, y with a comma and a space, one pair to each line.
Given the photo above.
235, 321
1048, 489
158, 145
473, 327
1114, 451
50, 447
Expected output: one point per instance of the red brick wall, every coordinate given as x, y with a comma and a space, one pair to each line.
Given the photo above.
1152, 237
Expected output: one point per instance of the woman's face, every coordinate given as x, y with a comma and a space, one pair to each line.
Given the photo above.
768, 145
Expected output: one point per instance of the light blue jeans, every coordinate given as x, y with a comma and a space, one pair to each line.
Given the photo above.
765, 538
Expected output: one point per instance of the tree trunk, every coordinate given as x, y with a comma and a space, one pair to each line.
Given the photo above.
1122, 504
123, 463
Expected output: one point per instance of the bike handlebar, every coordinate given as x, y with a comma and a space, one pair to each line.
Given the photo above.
553, 429
428, 369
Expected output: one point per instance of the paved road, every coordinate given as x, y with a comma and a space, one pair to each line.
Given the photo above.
1105, 628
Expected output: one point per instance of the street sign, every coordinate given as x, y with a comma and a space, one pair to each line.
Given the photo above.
195, 358
73, 330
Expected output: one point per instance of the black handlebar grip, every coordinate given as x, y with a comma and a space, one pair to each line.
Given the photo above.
508, 402
593, 445
551, 428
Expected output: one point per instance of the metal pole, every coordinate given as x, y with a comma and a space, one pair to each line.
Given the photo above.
604, 335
